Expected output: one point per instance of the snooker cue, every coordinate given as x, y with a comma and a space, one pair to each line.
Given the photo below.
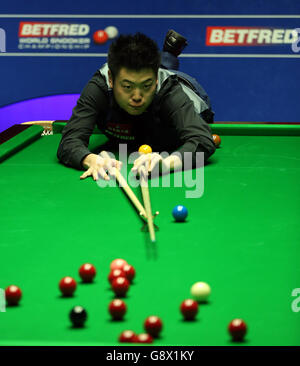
146, 198
123, 183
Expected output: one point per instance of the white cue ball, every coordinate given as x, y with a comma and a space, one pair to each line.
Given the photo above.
111, 31
200, 291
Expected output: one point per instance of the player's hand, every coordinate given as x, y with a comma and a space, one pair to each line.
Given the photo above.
151, 162
97, 167
154, 163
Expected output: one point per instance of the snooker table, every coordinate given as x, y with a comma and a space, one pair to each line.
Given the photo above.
241, 236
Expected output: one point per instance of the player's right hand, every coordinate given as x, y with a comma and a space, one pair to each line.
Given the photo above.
97, 167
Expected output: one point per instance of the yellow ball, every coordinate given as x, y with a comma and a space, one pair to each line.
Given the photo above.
145, 149
200, 291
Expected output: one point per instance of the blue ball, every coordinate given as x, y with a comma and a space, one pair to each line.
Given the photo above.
180, 213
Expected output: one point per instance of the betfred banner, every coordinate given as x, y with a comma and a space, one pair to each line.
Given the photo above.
62, 35
50, 29
69, 34
249, 36
47, 35
53, 35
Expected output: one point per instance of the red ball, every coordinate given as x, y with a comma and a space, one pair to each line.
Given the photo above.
217, 139
128, 336
117, 309
67, 286
120, 286
13, 295
237, 329
87, 272
189, 309
129, 272
153, 325
100, 37
143, 338
118, 263
115, 273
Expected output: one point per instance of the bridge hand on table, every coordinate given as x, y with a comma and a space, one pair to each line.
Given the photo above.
155, 164
97, 167
152, 163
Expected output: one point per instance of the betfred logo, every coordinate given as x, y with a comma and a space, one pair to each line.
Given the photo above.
48, 29
249, 36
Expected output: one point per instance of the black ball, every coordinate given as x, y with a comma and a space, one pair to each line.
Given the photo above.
78, 316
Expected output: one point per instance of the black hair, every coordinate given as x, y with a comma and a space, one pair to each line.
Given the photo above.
134, 52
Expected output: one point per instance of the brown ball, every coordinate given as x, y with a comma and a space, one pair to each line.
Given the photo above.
217, 140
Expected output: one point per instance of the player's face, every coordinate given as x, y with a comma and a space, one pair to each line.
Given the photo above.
134, 90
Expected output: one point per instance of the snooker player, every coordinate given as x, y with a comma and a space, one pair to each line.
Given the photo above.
139, 97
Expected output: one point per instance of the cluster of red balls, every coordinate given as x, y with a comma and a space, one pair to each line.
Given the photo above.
152, 325
68, 285
120, 277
